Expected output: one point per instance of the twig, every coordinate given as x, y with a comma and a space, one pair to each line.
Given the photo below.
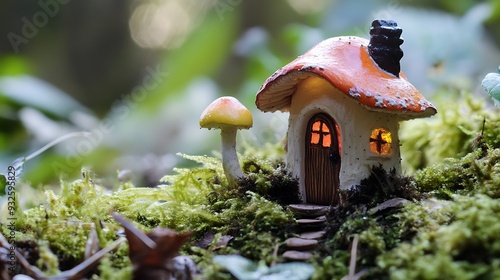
57, 141
32, 270
352, 265
275, 254
354, 255
482, 129
84, 267
138, 235
75, 273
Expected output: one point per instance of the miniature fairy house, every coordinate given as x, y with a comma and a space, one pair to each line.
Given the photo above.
345, 96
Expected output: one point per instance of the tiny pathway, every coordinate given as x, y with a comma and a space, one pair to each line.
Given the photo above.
311, 222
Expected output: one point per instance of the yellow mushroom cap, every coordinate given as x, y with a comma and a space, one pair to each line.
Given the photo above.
226, 111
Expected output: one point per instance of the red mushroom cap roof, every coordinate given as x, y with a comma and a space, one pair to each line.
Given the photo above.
346, 64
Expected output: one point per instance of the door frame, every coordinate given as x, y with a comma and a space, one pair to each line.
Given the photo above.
315, 180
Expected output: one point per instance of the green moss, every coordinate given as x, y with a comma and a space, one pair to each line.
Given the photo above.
466, 246
116, 265
456, 238
422, 216
450, 133
196, 199
376, 235
334, 266
477, 172
271, 180
70, 248
258, 225
380, 186
263, 151
47, 261
430, 240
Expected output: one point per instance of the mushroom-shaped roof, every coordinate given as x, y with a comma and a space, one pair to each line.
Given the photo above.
346, 64
226, 111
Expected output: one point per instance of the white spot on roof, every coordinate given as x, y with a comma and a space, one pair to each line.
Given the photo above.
423, 103
391, 102
354, 92
402, 102
380, 101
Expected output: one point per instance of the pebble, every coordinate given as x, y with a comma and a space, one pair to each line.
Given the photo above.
183, 268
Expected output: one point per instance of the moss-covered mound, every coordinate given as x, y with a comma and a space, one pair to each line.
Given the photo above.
421, 237
53, 236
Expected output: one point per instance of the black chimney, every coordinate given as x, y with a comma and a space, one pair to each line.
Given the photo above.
384, 45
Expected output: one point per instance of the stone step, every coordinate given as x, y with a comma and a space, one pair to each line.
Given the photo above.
297, 255
316, 235
391, 203
317, 222
310, 219
309, 210
300, 244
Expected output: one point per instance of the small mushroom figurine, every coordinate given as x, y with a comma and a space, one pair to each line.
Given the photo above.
228, 114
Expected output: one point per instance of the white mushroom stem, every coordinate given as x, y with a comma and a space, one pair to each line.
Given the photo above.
230, 161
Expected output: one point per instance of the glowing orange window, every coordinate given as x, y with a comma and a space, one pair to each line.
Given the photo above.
381, 141
320, 134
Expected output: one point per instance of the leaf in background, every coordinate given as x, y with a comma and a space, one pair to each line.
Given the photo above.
33, 92
491, 84
245, 269
14, 65
495, 11
290, 271
18, 163
456, 7
241, 268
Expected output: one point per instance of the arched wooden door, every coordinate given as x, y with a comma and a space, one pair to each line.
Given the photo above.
322, 162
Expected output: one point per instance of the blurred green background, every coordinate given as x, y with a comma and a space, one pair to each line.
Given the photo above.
138, 74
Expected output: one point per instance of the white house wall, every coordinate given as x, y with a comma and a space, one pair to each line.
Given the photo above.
315, 95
